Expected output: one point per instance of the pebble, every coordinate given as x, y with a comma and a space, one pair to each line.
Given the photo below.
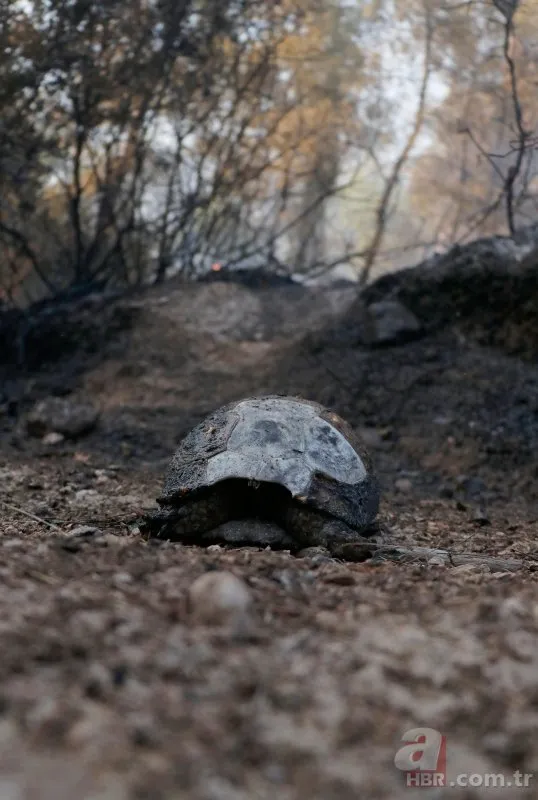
481, 518
469, 568
403, 485
88, 497
390, 322
371, 437
122, 578
53, 438
437, 561
61, 415
78, 537
319, 553
97, 681
42, 509
218, 597
84, 531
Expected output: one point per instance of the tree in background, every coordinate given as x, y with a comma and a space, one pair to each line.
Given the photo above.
127, 133
324, 63
139, 138
480, 164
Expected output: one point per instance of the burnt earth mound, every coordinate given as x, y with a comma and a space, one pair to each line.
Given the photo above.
488, 290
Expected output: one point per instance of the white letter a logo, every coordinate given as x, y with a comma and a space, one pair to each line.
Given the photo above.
421, 751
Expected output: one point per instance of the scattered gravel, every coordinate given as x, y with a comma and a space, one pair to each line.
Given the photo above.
139, 670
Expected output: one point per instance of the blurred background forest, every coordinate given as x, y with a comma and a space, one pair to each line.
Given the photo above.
145, 138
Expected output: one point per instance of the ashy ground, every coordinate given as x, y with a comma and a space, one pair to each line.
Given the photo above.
112, 689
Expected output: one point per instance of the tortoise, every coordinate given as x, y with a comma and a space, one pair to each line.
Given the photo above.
288, 461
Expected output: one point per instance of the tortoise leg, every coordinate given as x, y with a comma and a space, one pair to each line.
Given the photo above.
189, 521
310, 528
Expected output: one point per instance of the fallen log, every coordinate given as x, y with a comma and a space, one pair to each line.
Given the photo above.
379, 554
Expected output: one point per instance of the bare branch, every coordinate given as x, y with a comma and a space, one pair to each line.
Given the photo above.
509, 7
392, 180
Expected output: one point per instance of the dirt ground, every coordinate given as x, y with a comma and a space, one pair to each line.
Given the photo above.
111, 687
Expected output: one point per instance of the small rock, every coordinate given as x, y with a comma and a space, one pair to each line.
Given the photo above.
481, 518
90, 729
78, 537
53, 438
143, 730
340, 579
97, 681
218, 597
87, 497
390, 322
371, 437
101, 476
467, 568
41, 509
386, 433
403, 485
317, 553
121, 579
437, 561
288, 579
61, 415
85, 532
